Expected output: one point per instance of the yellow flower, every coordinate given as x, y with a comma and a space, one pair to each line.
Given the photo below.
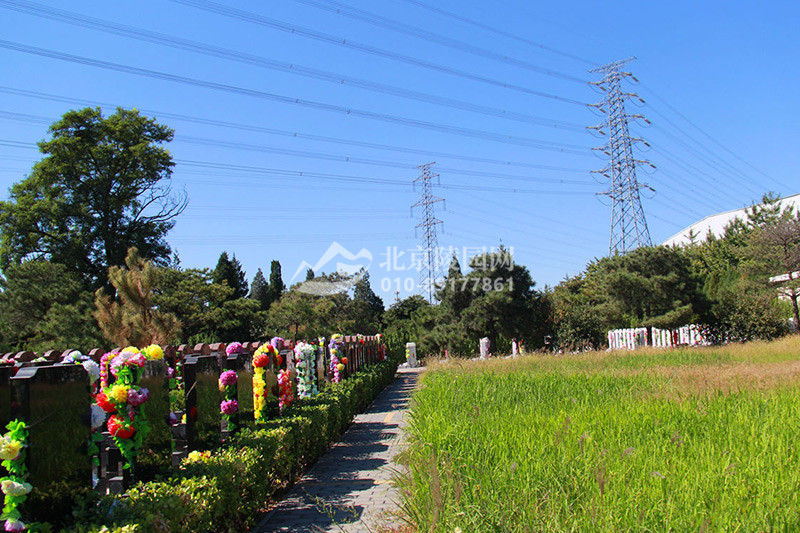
13, 488
131, 349
118, 393
9, 449
154, 351
195, 456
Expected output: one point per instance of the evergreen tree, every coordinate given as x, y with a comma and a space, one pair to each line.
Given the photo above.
309, 274
43, 306
276, 285
230, 271
367, 307
259, 290
102, 186
134, 320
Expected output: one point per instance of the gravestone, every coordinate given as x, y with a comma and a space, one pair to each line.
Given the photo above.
159, 441
321, 361
54, 401
201, 381
411, 354
484, 347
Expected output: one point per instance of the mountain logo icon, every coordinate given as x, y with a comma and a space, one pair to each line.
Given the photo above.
350, 266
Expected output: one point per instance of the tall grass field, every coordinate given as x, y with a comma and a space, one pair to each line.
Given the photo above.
695, 439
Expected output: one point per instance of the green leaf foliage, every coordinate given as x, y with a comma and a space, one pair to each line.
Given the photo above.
102, 187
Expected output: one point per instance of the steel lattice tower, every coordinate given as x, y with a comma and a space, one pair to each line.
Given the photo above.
628, 225
430, 273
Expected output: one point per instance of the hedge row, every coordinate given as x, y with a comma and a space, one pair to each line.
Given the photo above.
227, 491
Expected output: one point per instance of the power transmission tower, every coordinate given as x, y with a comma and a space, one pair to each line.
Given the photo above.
628, 225
430, 271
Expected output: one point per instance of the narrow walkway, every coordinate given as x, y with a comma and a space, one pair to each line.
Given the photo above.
349, 489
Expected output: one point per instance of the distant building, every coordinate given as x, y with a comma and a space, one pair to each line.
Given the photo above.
716, 223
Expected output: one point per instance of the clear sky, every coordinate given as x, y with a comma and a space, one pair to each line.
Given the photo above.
300, 123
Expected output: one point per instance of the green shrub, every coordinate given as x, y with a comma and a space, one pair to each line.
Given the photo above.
225, 492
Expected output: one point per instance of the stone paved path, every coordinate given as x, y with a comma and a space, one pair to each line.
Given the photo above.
349, 489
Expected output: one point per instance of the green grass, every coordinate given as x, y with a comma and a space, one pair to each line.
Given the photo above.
605, 442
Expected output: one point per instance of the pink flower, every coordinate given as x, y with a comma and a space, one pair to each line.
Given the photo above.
170, 372
228, 378
139, 360
228, 407
136, 398
15, 525
234, 348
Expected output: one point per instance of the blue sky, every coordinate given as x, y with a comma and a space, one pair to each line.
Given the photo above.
276, 167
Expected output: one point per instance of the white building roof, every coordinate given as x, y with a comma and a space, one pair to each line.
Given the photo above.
716, 223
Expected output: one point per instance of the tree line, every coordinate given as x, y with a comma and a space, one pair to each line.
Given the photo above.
86, 262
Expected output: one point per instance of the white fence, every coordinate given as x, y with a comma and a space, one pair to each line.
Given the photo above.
632, 338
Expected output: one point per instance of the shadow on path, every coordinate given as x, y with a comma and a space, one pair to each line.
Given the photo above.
349, 488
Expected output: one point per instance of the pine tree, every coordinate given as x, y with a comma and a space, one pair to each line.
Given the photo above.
368, 306
259, 290
230, 271
134, 320
276, 285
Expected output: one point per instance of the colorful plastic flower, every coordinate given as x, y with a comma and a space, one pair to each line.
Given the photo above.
97, 416
15, 488
138, 397
261, 360
75, 356
228, 378
137, 359
117, 361
229, 407
9, 448
14, 525
92, 368
104, 403
154, 352
285, 396
234, 348
196, 456
118, 393
119, 428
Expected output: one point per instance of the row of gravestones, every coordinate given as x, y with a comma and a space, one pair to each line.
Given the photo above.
54, 399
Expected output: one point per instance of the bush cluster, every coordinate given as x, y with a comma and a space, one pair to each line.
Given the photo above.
227, 491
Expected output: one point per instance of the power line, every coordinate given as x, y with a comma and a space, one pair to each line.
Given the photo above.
742, 178
116, 29
335, 177
712, 139
540, 144
248, 16
309, 154
278, 132
504, 33
384, 22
